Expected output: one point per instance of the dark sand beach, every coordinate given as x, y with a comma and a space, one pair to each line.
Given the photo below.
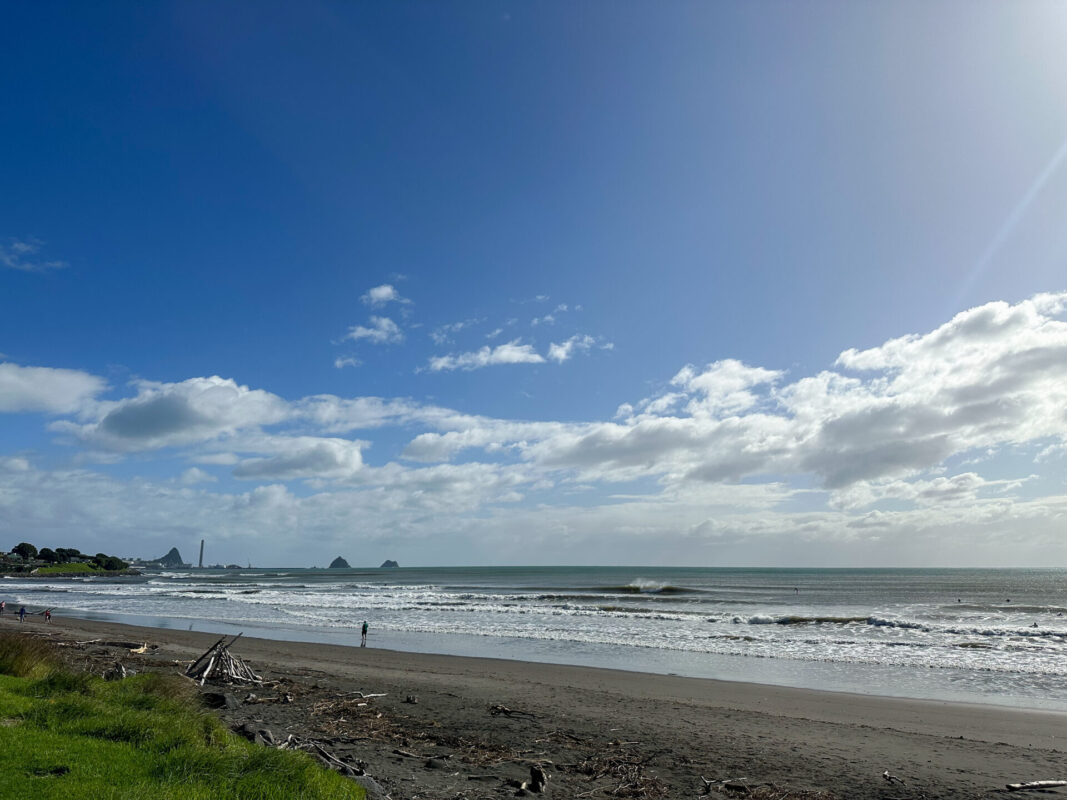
451, 727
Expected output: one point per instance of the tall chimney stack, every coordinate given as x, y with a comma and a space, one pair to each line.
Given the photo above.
201, 554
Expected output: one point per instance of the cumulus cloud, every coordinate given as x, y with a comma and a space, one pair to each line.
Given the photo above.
382, 295
21, 255
47, 389
993, 375
305, 457
169, 414
346, 361
382, 331
511, 353
723, 387
716, 456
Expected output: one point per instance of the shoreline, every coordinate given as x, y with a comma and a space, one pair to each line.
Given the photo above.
678, 728
836, 677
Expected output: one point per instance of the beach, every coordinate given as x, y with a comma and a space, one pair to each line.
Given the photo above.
935, 634
461, 727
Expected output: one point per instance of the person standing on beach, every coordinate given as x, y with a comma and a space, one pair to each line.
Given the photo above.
363, 640
3, 605
22, 613
48, 615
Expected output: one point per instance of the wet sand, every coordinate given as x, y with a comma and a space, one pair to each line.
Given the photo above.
453, 727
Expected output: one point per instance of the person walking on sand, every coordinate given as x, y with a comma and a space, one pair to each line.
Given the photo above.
363, 640
22, 613
3, 605
48, 615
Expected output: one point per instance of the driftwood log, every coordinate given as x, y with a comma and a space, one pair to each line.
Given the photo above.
892, 778
219, 663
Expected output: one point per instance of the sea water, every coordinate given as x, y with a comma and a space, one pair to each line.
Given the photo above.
985, 636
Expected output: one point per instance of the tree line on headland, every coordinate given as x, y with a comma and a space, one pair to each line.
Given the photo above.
25, 557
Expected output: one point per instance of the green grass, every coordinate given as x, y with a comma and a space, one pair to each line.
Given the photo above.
72, 736
66, 569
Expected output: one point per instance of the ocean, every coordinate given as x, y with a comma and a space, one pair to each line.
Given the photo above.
994, 636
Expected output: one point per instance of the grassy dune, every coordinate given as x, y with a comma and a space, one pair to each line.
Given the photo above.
73, 736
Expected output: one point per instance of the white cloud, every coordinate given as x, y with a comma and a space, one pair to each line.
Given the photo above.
382, 331
304, 457
664, 404
170, 414
876, 432
426, 513
195, 475
346, 361
547, 319
20, 255
55, 391
338, 414
382, 295
723, 387
564, 350
510, 353
994, 375
478, 432
1051, 452
14, 464
966, 487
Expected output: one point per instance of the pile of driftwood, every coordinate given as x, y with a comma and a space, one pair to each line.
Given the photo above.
766, 791
626, 774
218, 663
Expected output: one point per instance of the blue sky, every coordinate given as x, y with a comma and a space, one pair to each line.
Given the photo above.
487, 283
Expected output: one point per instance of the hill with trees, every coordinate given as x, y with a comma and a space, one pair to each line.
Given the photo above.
25, 558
